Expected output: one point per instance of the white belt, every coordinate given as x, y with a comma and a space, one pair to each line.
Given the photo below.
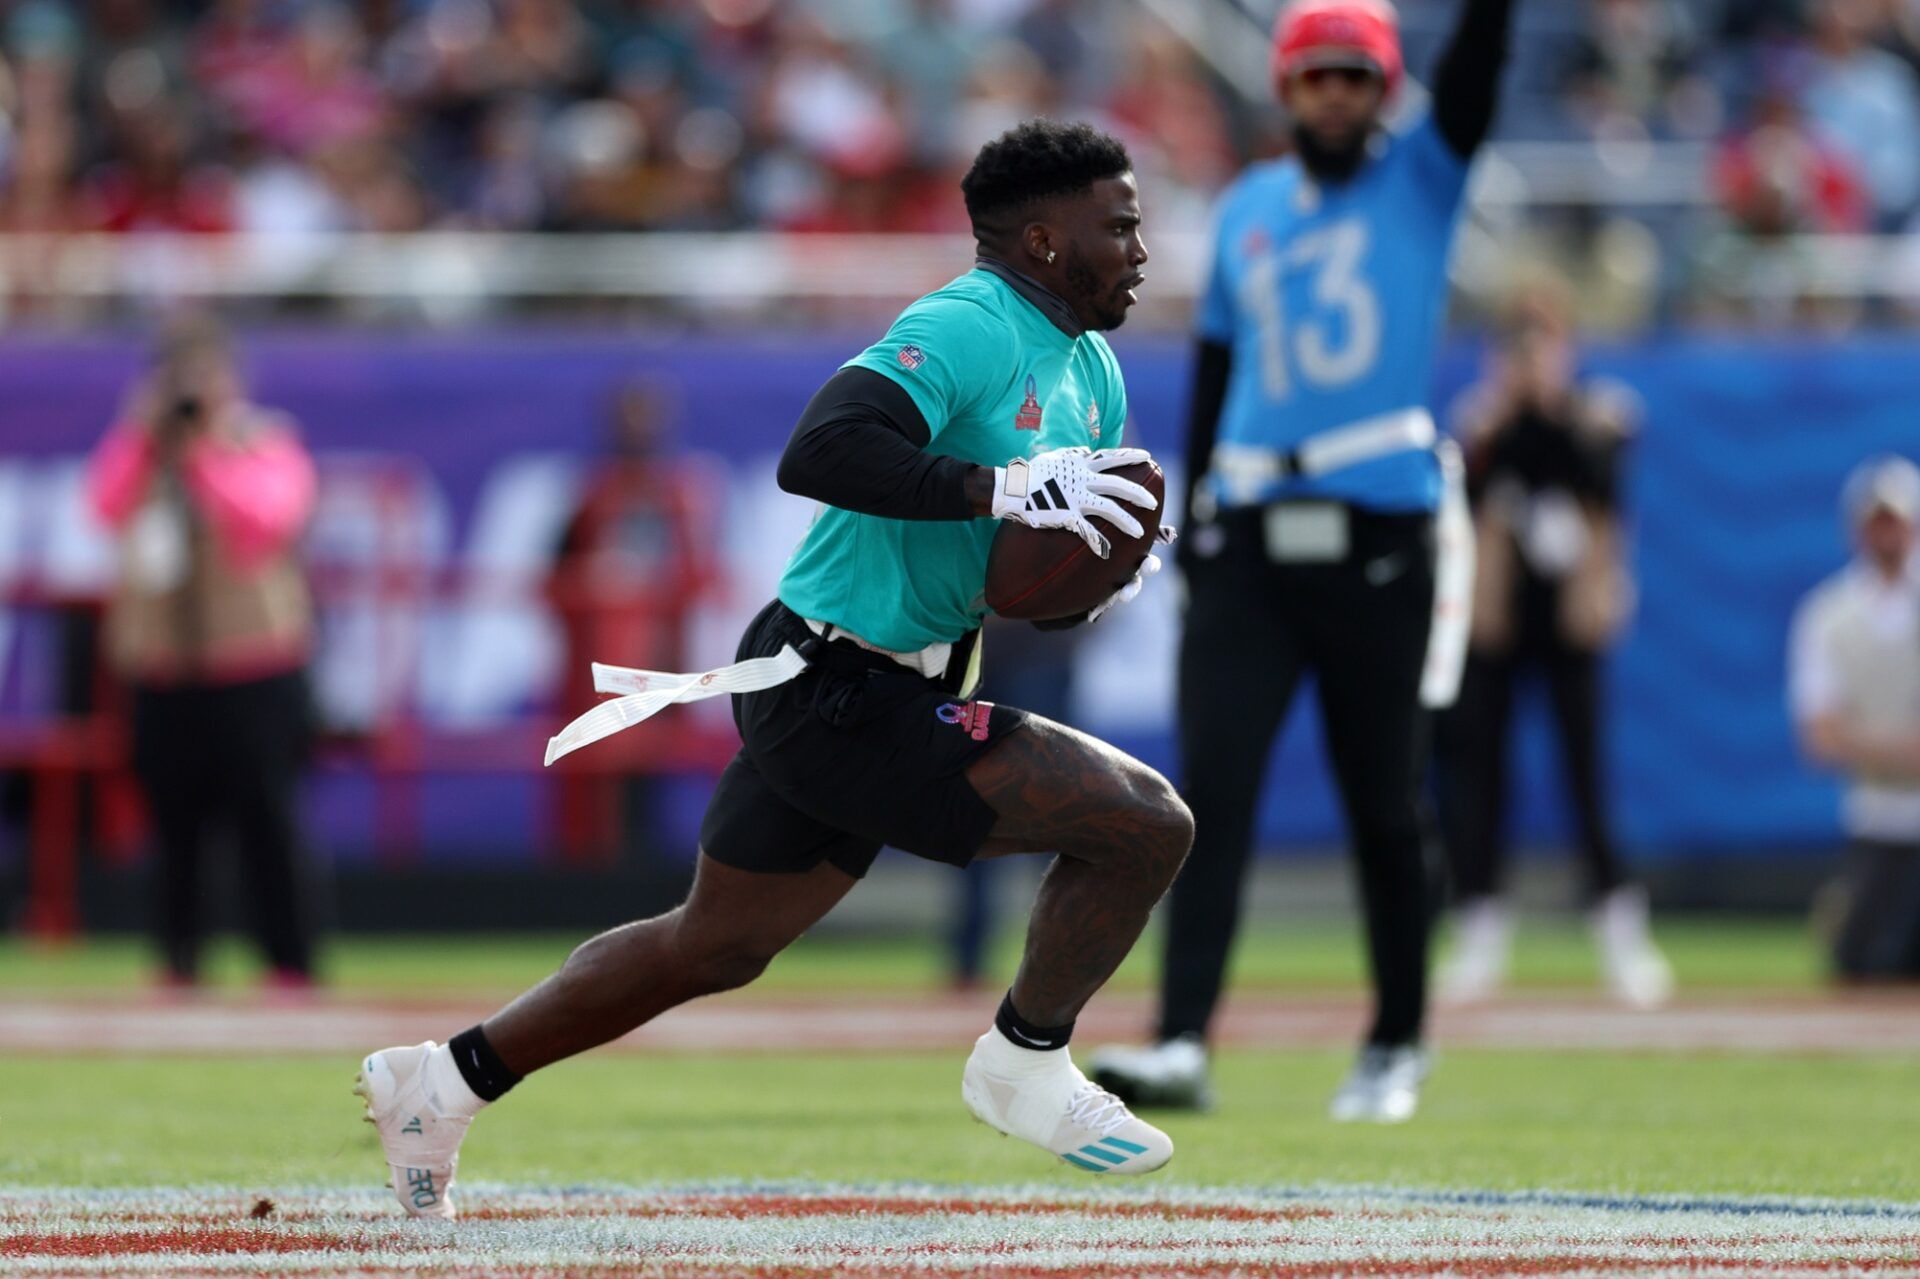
930, 661
1244, 470
645, 694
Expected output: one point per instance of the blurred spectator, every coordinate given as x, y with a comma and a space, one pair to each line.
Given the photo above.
1775, 180
929, 58
1747, 21
1866, 103
211, 625
311, 89
153, 182
1854, 686
1543, 451
1174, 125
1066, 37
636, 556
856, 116
39, 199
232, 51
833, 115
1778, 176
1633, 70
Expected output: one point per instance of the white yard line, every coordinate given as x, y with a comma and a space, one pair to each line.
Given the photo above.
924, 1231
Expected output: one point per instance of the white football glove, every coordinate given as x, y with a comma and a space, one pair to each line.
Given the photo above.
1063, 488
1148, 567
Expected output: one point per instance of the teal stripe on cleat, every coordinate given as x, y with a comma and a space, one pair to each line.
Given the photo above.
1128, 1146
1107, 1155
1088, 1164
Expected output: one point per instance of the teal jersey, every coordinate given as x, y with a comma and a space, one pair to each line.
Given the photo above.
995, 379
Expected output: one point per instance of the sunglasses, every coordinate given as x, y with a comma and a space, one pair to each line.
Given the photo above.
1351, 77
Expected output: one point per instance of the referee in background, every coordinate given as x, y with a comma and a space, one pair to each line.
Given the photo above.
1314, 484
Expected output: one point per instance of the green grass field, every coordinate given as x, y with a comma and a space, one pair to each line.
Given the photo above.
1629, 1123
1812, 1124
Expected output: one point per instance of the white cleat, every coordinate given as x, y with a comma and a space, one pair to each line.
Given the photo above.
1383, 1087
1475, 969
1041, 1097
422, 1142
1635, 970
1172, 1075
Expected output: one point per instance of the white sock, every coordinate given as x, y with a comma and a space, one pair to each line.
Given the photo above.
448, 1087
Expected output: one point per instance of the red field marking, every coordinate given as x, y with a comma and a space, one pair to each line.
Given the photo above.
743, 1207
217, 1239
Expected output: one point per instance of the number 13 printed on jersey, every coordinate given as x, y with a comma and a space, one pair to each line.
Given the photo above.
1339, 342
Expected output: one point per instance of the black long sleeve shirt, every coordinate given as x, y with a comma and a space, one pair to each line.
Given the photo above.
861, 445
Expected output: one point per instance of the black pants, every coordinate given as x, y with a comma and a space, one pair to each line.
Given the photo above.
1473, 740
1880, 934
1253, 628
226, 758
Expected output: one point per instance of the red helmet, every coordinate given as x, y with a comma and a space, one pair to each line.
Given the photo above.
1337, 33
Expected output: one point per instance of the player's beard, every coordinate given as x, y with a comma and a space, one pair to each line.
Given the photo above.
1092, 298
1331, 164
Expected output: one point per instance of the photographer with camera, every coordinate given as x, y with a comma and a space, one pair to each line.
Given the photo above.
210, 624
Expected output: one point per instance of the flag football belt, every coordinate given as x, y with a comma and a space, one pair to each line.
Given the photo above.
930, 661
1453, 569
644, 694
1244, 470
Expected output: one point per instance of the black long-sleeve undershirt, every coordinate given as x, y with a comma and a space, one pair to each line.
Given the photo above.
860, 445
1466, 84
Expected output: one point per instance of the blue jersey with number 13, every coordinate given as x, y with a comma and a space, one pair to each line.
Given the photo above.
1332, 299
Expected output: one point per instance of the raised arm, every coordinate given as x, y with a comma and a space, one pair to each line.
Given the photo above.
1466, 84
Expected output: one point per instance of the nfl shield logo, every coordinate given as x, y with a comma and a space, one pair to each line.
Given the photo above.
911, 356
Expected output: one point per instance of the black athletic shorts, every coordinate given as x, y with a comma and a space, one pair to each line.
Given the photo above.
854, 753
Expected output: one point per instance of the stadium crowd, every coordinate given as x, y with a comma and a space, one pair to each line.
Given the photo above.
277, 116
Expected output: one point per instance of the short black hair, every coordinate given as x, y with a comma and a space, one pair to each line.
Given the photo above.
1036, 161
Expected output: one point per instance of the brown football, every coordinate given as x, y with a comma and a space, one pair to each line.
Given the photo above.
1039, 574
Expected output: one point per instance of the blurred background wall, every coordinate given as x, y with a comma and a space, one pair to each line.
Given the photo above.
451, 233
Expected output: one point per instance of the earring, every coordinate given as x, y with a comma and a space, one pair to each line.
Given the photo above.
1051, 255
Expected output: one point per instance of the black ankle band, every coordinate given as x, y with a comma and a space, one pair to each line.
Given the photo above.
1020, 1032
480, 1066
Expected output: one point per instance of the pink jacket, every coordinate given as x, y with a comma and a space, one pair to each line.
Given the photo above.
240, 609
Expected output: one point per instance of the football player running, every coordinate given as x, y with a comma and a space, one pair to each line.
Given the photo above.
993, 398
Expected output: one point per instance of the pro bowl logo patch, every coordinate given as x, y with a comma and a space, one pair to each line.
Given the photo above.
1028, 418
1093, 420
972, 717
911, 357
